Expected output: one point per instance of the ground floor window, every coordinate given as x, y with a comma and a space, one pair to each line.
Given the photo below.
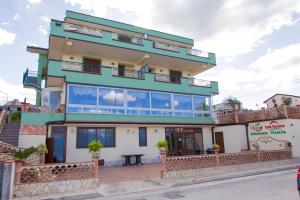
142, 136
184, 141
105, 135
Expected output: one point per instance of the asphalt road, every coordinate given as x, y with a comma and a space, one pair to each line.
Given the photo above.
273, 186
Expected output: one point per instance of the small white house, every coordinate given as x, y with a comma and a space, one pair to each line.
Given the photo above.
278, 99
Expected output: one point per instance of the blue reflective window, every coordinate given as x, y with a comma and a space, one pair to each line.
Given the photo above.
182, 102
138, 99
161, 100
161, 113
111, 97
201, 103
82, 95
183, 114
105, 135
74, 109
85, 136
138, 112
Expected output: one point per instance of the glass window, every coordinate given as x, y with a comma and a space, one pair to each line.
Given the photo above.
74, 109
201, 103
111, 97
161, 113
105, 135
138, 112
142, 136
183, 114
138, 99
182, 102
161, 100
85, 136
83, 95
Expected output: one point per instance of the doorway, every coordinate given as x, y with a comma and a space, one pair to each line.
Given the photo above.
175, 76
219, 138
57, 145
91, 65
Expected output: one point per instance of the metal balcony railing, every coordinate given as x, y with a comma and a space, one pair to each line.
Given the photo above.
82, 29
80, 67
165, 46
129, 73
31, 79
196, 52
127, 38
199, 82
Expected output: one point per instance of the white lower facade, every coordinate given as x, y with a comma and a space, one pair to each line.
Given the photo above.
126, 142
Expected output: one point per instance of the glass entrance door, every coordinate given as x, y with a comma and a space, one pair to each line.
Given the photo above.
58, 135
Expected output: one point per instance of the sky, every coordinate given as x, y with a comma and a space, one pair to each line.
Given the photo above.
257, 42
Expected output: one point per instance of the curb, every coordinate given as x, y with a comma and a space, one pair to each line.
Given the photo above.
236, 175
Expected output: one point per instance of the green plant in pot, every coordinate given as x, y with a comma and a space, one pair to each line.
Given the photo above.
216, 148
42, 149
23, 154
162, 145
95, 148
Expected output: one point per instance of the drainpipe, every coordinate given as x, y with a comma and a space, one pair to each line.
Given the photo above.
212, 135
247, 136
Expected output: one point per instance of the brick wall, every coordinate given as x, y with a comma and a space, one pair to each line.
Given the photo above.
217, 160
33, 130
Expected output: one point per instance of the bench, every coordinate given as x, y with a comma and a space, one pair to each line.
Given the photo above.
138, 160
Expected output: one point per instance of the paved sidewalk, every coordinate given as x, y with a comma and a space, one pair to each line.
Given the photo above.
141, 183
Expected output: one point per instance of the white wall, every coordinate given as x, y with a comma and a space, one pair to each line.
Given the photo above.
295, 100
207, 137
235, 138
26, 141
126, 143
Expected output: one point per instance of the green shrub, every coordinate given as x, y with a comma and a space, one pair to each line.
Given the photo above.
42, 148
162, 143
23, 154
16, 117
95, 146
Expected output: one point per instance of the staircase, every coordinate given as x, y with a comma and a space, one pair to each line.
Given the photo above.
10, 134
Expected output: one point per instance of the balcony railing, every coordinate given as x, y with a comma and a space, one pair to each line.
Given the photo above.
129, 73
31, 79
82, 29
127, 38
199, 82
162, 77
80, 67
196, 52
165, 46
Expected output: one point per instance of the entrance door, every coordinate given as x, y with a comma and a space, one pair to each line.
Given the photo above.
91, 65
189, 144
220, 141
59, 138
54, 99
175, 76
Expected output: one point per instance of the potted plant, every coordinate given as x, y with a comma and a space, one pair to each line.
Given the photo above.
42, 150
95, 148
162, 145
216, 148
23, 154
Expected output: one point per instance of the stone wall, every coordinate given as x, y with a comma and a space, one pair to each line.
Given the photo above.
54, 187
33, 130
181, 163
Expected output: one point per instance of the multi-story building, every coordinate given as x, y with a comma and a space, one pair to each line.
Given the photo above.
282, 99
124, 85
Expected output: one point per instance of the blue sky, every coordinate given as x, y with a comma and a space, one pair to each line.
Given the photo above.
256, 42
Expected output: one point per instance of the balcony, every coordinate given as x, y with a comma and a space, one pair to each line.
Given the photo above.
31, 79
80, 67
130, 78
129, 48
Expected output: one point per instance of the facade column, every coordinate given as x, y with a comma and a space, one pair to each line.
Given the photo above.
95, 160
163, 156
18, 172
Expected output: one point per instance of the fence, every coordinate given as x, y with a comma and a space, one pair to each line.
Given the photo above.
282, 112
217, 160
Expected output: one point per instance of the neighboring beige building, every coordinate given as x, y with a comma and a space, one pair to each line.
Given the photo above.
295, 100
222, 108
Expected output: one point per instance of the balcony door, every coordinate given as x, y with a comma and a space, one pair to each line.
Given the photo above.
91, 65
175, 76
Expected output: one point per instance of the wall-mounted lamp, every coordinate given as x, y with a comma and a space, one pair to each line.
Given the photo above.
155, 131
73, 130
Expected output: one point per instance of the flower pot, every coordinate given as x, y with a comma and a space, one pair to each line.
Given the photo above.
162, 150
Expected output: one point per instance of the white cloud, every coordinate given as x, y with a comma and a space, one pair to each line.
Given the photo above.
45, 18
34, 1
43, 30
17, 17
276, 71
15, 92
6, 37
4, 23
27, 7
229, 28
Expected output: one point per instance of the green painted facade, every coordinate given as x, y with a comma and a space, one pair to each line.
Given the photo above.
31, 118
57, 29
42, 62
106, 78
